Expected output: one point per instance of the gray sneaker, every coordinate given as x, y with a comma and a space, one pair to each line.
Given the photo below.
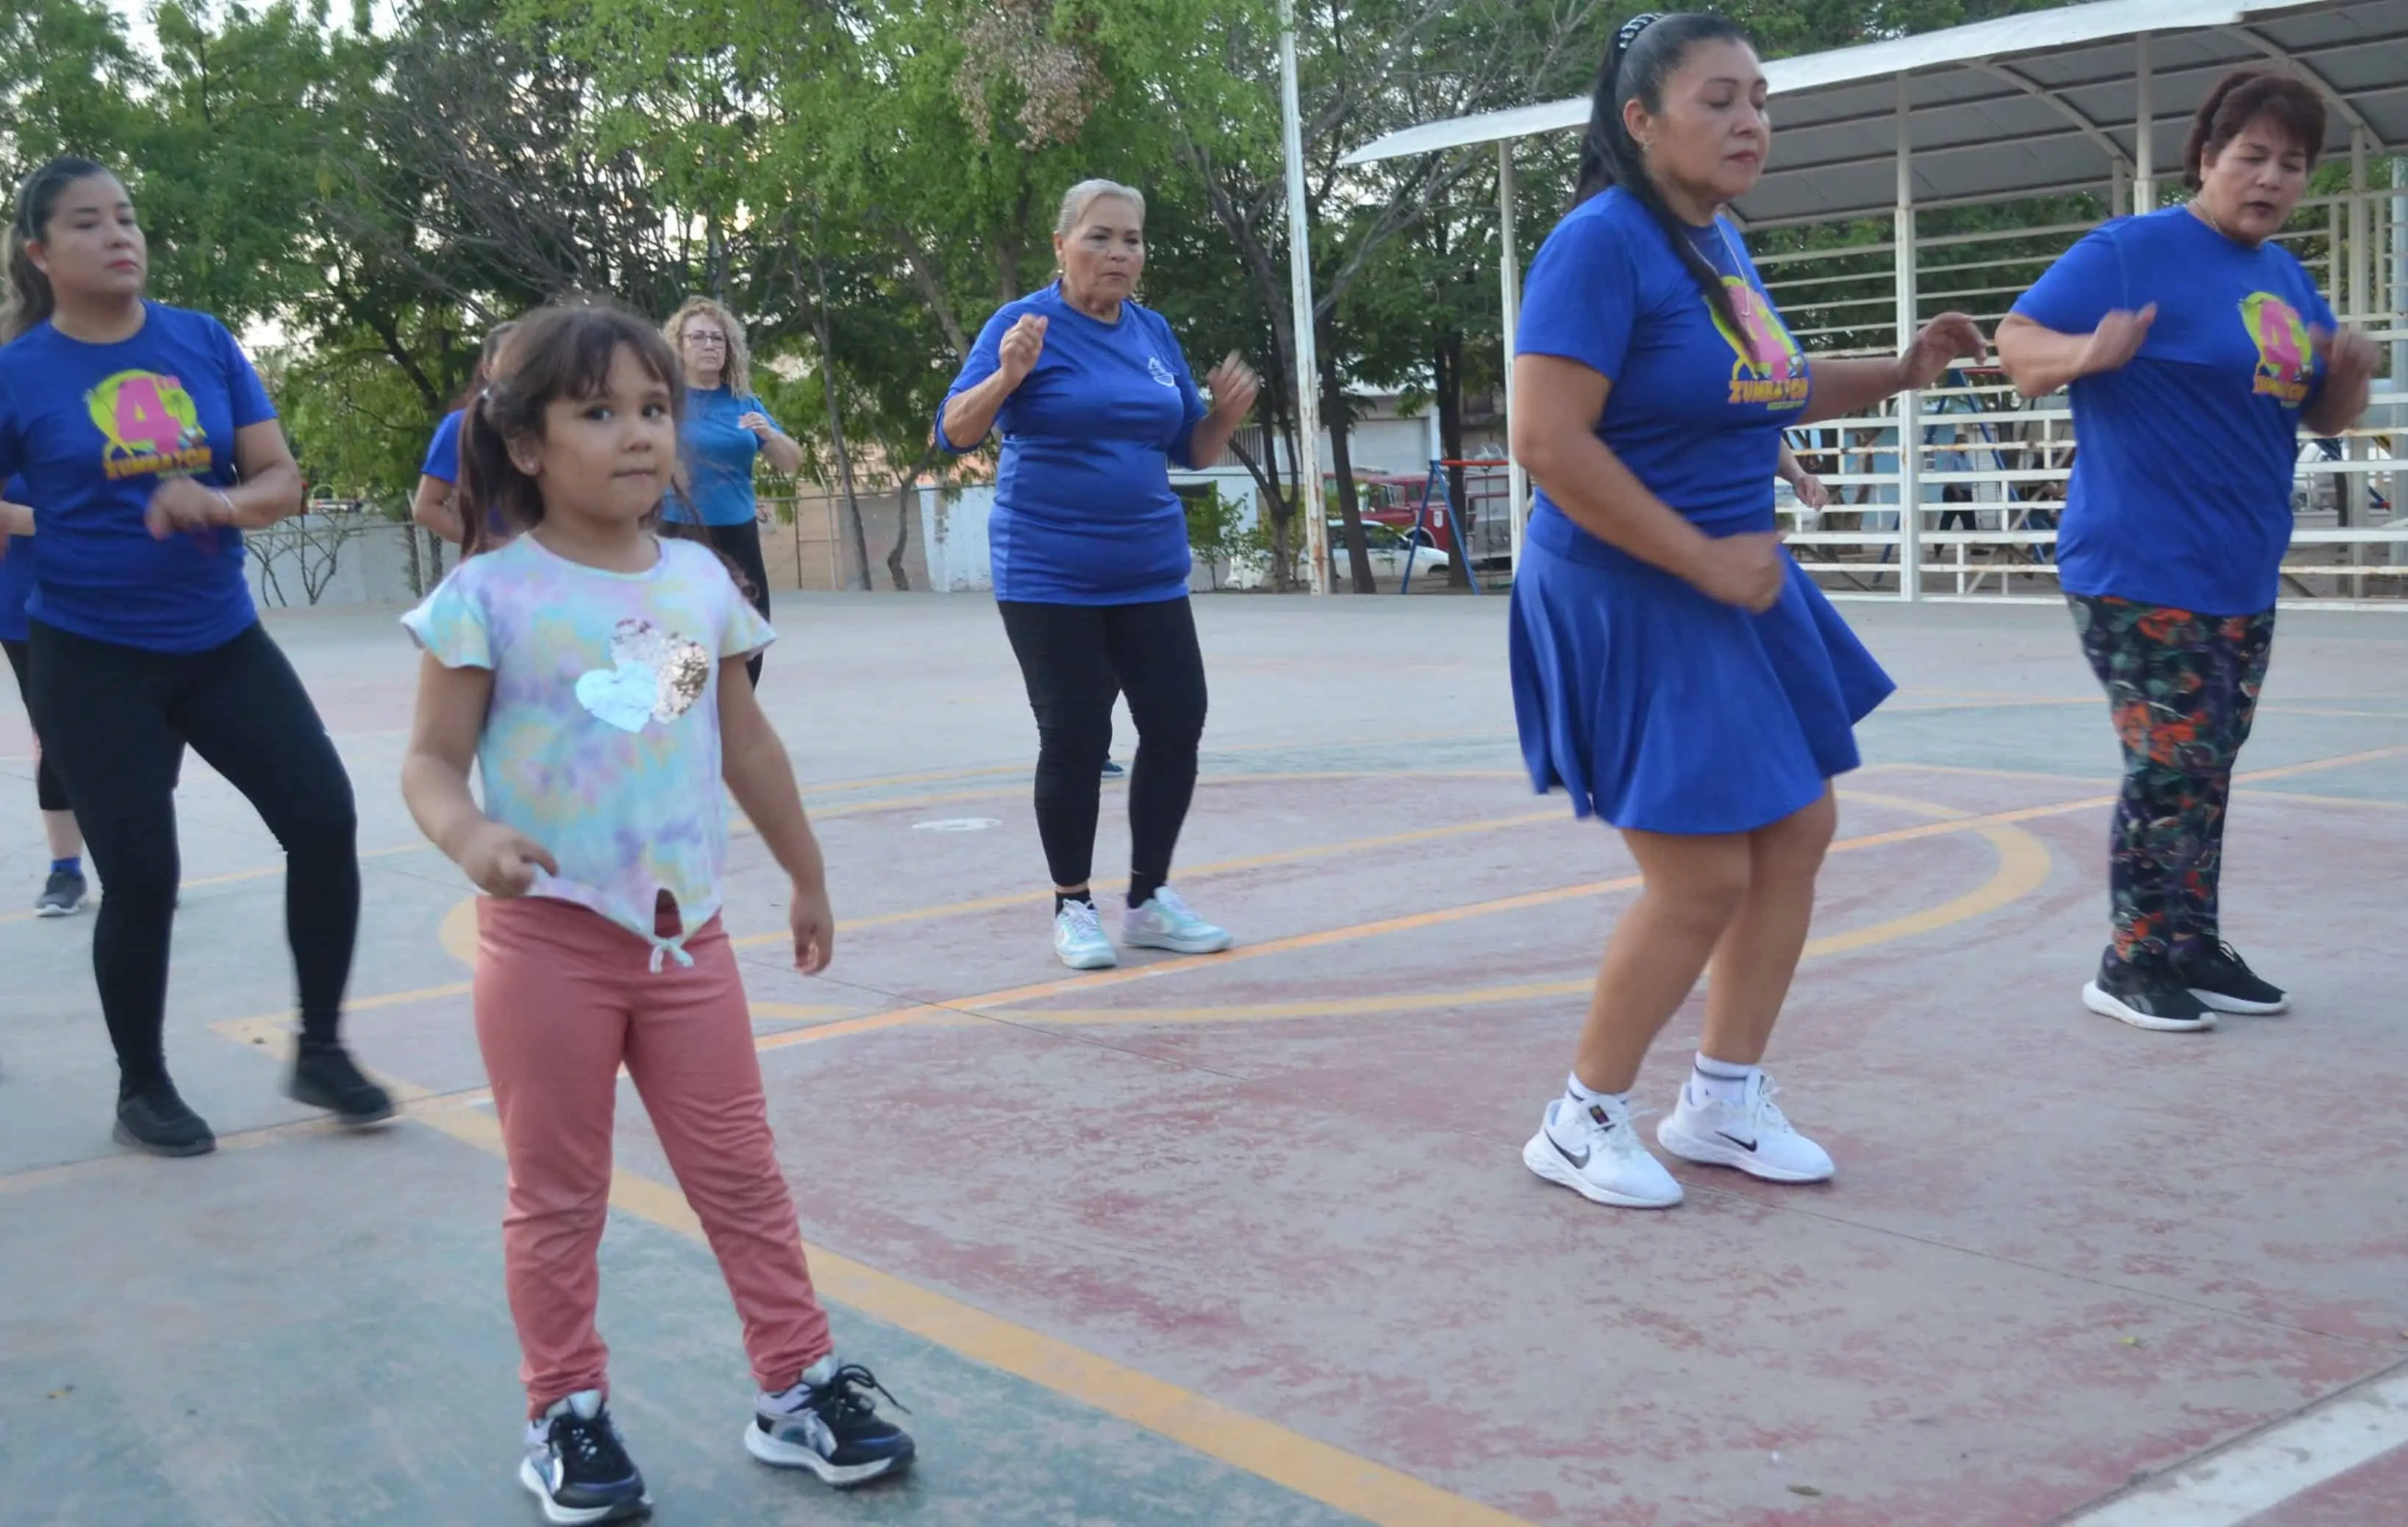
63, 895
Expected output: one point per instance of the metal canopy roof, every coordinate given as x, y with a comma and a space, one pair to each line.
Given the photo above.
2023, 105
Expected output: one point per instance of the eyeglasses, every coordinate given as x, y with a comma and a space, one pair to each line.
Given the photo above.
718, 339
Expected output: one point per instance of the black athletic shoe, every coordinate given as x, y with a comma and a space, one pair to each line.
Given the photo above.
2146, 999
1113, 771
324, 1077
2221, 980
832, 1429
156, 1120
63, 894
577, 1465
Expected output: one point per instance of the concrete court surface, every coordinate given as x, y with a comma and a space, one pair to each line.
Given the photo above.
1246, 1239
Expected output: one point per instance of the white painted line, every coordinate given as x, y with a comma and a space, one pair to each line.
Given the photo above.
957, 824
2259, 1472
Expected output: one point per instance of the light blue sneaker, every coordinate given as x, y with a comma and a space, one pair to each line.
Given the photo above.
1079, 938
1166, 922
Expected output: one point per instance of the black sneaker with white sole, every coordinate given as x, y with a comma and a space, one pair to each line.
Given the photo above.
157, 1119
326, 1076
828, 1424
2218, 977
577, 1465
2146, 999
63, 894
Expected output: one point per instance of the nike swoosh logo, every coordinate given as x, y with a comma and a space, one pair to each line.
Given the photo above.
1743, 1145
1580, 1161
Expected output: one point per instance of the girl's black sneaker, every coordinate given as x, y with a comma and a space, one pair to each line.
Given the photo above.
829, 1425
326, 1076
578, 1468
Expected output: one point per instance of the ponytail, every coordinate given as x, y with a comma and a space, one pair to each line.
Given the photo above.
29, 303
1647, 51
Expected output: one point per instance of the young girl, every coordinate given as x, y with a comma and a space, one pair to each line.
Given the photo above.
434, 508
582, 667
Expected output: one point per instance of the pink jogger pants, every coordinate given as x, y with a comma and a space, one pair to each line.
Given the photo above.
564, 997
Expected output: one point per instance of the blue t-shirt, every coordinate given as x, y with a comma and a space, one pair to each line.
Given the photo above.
1084, 511
16, 570
2182, 482
93, 429
442, 460
1696, 411
717, 454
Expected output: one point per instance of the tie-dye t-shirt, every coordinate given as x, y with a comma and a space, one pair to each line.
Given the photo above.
602, 742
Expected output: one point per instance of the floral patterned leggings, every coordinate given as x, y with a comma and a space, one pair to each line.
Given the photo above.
2183, 691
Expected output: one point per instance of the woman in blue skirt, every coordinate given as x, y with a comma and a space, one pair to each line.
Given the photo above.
1673, 669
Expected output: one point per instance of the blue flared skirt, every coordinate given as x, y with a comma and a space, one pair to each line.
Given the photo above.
1663, 710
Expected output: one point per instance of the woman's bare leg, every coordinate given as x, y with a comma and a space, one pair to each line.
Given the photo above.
1694, 888
1753, 965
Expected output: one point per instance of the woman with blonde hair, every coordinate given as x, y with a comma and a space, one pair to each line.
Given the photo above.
726, 429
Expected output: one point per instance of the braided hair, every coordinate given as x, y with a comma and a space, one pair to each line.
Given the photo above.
1647, 50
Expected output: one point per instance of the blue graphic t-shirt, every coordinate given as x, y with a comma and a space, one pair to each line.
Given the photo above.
16, 569
718, 453
2182, 482
443, 452
1696, 411
94, 430
1084, 511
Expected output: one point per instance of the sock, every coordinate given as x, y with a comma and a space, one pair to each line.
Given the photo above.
72, 864
1719, 1081
1142, 887
1062, 900
1581, 1096
817, 1374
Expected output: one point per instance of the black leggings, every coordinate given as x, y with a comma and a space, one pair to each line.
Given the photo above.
117, 720
47, 788
741, 545
1077, 659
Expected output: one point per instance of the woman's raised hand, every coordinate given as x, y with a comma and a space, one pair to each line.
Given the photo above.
1942, 343
1234, 387
1023, 343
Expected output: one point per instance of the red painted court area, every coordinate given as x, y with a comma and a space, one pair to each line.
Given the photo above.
1264, 1213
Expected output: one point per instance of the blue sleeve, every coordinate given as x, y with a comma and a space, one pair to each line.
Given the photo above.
753, 405
985, 358
1191, 401
2087, 282
1583, 299
442, 460
243, 387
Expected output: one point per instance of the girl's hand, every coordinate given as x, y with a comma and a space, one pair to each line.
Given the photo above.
180, 503
1234, 387
759, 424
502, 860
1747, 570
2350, 357
1810, 493
815, 927
1943, 342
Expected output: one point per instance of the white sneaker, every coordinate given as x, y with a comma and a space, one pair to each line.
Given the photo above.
1079, 938
1595, 1153
1166, 922
1751, 1134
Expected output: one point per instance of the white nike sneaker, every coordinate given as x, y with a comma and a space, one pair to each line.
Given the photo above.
1595, 1151
1166, 922
1752, 1135
1079, 938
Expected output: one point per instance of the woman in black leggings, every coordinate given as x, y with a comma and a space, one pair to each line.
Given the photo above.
147, 447
1089, 547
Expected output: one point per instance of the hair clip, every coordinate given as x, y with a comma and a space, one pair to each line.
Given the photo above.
1631, 28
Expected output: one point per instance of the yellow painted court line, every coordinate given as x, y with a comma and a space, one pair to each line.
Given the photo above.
1316, 1470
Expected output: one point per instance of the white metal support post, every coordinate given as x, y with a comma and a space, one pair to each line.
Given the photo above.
1307, 373
2399, 353
1509, 273
2144, 132
1910, 404
2354, 495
